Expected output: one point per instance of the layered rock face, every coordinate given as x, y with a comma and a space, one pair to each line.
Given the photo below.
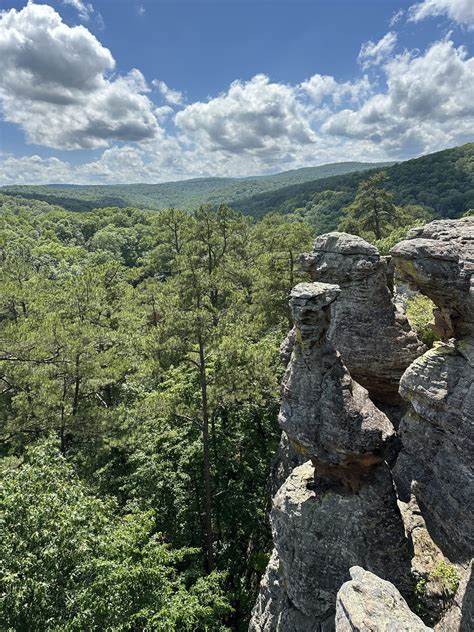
338, 504
339, 508
436, 465
370, 603
370, 332
438, 260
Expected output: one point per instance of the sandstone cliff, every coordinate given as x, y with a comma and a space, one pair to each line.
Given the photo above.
342, 496
435, 468
339, 508
370, 332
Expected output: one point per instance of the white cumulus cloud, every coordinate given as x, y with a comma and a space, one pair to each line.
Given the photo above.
85, 9
55, 84
429, 104
461, 11
174, 97
319, 87
374, 53
255, 116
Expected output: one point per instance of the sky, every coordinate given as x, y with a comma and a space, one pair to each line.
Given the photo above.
119, 91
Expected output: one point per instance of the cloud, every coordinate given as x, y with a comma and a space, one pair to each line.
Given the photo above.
396, 17
84, 9
374, 53
461, 11
320, 87
55, 84
429, 104
33, 169
174, 97
255, 116
59, 84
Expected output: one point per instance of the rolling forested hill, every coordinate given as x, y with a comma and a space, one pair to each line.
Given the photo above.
442, 182
186, 195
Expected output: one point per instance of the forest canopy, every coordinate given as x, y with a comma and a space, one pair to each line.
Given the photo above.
139, 388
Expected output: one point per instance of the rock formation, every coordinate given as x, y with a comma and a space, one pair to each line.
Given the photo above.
370, 332
435, 467
368, 603
339, 508
438, 260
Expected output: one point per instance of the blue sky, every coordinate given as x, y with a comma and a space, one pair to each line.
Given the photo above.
152, 90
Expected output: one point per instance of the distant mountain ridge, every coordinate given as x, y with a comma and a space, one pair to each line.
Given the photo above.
184, 194
442, 182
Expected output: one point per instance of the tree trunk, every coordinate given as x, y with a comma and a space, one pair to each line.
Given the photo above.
77, 384
205, 448
378, 234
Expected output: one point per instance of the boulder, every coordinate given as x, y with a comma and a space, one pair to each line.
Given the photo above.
327, 416
367, 603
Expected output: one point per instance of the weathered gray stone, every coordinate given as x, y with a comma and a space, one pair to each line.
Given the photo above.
326, 414
286, 459
340, 508
371, 333
370, 604
438, 259
321, 529
286, 347
273, 610
436, 464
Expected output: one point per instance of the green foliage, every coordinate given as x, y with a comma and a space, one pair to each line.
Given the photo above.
372, 210
419, 311
448, 576
409, 217
442, 183
187, 195
439, 586
70, 562
147, 345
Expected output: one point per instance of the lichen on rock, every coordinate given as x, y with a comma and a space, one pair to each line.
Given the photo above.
367, 602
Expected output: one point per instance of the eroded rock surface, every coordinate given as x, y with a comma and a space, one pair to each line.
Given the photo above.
460, 616
371, 333
339, 508
435, 467
321, 528
367, 603
325, 413
438, 260
437, 459
436, 463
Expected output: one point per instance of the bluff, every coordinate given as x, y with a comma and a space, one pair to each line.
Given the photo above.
350, 489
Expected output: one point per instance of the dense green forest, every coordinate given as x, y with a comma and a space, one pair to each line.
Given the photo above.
443, 183
139, 381
187, 195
